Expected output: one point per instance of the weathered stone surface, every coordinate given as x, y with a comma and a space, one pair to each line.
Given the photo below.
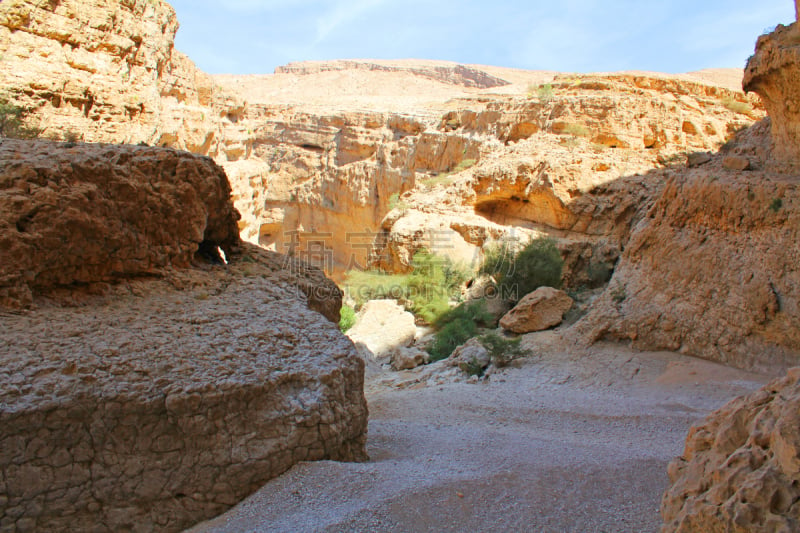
774, 73
695, 159
168, 394
407, 358
737, 163
711, 271
471, 354
103, 71
581, 172
537, 311
95, 213
381, 327
318, 152
740, 471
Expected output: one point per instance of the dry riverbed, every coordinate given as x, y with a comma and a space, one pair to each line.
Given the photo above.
569, 439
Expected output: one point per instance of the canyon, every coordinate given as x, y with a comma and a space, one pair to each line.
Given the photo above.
193, 219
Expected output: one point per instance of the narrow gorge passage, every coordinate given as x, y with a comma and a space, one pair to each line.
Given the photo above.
574, 441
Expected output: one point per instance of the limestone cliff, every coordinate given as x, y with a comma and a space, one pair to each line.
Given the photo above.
319, 153
151, 385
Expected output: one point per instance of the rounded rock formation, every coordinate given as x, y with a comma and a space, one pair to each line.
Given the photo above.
740, 471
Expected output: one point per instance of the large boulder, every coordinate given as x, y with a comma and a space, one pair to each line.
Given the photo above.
381, 327
89, 213
740, 471
406, 358
169, 394
541, 309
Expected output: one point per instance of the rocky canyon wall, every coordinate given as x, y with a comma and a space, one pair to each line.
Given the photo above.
103, 71
315, 172
712, 269
772, 72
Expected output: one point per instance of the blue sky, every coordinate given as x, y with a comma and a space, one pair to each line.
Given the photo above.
255, 36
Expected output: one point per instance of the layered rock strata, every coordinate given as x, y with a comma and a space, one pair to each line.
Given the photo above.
107, 72
740, 471
318, 153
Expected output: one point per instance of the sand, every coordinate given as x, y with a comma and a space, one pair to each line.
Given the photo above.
569, 439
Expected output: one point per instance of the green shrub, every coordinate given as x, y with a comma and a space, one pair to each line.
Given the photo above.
450, 337
577, 130
472, 368
12, 122
347, 318
544, 91
446, 178
776, 205
396, 202
432, 284
537, 264
426, 291
457, 326
362, 286
501, 350
474, 311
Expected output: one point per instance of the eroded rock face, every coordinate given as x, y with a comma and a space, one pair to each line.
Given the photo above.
167, 394
740, 471
103, 71
167, 402
96, 213
774, 73
575, 165
539, 310
319, 153
711, 270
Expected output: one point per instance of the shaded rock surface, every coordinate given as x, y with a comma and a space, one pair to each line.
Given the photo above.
740, 471
541, 309
95, 213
